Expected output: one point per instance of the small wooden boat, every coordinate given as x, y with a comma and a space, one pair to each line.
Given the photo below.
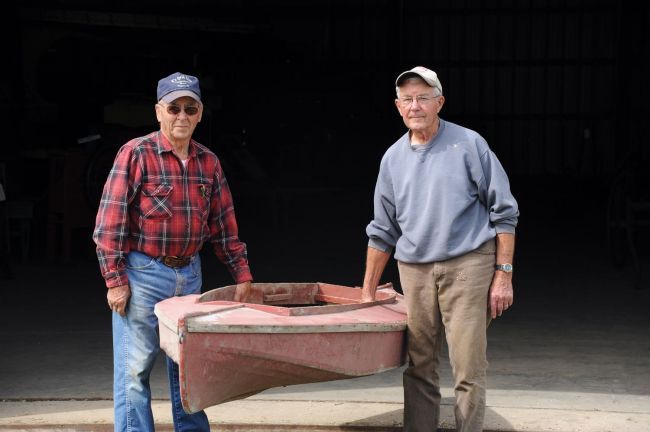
288, 333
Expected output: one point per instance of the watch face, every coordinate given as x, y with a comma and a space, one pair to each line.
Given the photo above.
504, 267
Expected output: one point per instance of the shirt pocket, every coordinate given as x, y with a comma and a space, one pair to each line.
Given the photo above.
155, 202
205, 194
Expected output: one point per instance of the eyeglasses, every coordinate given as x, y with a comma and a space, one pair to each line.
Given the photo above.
421, 99
176, 110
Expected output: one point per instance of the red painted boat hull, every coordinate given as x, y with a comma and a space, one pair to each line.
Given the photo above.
228, 350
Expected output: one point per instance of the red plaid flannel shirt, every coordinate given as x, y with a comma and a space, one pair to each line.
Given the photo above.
152, 205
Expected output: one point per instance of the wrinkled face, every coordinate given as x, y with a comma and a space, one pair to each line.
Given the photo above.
418, 105
179, 118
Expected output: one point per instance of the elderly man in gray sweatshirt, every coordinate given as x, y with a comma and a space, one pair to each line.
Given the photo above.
443, 203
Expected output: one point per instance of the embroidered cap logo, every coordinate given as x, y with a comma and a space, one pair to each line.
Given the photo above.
182, 81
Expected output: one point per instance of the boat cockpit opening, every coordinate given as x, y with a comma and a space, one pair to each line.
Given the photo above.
300, 298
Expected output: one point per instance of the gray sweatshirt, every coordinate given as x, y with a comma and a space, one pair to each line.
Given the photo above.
442, 199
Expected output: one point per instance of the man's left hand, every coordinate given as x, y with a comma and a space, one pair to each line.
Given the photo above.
243, 292
501, 293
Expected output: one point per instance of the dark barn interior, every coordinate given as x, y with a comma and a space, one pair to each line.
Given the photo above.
299, 99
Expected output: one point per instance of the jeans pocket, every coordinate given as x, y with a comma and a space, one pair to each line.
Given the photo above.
139, 261
195, 266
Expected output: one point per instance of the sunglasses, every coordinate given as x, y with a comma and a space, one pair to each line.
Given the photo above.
176, 110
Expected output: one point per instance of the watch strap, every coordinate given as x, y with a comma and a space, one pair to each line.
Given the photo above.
506, 267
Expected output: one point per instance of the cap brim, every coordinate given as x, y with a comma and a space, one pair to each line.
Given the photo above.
171, 97
404, 75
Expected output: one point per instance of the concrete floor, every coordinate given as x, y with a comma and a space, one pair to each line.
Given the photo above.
573, 354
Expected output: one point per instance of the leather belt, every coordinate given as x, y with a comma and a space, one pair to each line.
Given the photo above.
175, 261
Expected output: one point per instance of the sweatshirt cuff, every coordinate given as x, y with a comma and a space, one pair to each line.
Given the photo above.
379, 244
504, 228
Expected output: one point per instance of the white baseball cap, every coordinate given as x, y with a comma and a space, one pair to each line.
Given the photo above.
429, 76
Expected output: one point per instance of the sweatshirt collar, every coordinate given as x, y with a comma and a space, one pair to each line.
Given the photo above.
428, 145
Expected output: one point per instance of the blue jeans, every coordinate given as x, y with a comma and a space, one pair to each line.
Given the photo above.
136, 343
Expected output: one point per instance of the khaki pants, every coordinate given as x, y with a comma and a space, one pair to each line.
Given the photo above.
449, 297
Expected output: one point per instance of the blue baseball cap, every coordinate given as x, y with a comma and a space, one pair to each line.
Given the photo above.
178, 85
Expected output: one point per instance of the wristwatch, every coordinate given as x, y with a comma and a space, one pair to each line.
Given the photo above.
507, 267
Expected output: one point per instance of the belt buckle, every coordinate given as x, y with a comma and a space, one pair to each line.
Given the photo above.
175, 261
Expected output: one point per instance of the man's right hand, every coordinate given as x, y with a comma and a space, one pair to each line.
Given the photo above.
375, 263
118, 298
367, 294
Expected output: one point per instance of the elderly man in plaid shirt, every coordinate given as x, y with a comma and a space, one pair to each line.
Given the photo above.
165, 196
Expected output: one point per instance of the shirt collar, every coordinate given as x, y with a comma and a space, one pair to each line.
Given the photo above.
165, 146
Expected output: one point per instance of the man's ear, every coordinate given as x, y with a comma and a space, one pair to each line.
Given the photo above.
441, 102
398, 107
158, 112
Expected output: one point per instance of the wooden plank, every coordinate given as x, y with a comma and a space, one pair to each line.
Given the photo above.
268, 298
